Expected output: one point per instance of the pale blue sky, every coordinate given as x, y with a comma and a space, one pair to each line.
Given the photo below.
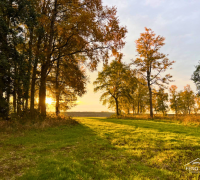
177, 20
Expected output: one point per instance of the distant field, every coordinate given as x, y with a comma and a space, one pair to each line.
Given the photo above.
89, 114
101, 149
94, 114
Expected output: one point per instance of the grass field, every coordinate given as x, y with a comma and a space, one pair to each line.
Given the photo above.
100, 148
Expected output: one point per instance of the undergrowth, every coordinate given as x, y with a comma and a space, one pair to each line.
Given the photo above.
27, 121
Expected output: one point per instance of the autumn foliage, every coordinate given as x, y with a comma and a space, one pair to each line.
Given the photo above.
143, 88
47, 45
151, 63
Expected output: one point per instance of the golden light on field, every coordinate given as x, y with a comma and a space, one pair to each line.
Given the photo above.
49, 100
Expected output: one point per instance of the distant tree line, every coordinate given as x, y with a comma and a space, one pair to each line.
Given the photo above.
125, 91
142, 88
46, 45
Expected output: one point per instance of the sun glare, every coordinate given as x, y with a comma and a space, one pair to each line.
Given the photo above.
78, 102
49, 100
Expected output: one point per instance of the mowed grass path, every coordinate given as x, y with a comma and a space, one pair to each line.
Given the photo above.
100, 148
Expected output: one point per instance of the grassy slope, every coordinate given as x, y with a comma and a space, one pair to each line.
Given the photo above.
101, 148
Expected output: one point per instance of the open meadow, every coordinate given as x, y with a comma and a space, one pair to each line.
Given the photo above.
100, 148
89, 91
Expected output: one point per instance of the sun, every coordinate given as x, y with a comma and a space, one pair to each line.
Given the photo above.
78, 102
49, 100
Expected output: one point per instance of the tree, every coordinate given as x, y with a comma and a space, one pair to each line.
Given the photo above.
174, 99
39, 38
66, 81
187, 99
161, 101
135, 94
112, 81
196, 77
151, 63
182, 101
141, 95
84, 27
127, 99
13, 52
197, 104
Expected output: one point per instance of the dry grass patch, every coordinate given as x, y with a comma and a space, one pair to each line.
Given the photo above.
188, 120
19, 123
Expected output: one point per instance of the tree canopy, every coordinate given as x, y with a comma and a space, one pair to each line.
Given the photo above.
112, 81
48, 42
151, 63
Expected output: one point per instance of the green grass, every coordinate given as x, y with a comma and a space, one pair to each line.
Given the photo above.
100, 148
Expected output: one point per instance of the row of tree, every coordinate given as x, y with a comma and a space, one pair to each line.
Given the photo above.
125, 91
143, 87
46, 45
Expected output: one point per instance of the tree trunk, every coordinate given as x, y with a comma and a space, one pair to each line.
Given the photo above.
18, 101
1, 88
42, 93
8, 90
14, 100
57, 104
117, 106
138, 107
57, 87
150, 93
7, 20
128, 111
34, 74
29, 68
15, 90
176, 110
46, 65
23, 107
150, 102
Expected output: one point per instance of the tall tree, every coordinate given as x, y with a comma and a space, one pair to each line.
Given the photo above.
30, 22
85, 27
12, 49
151, 63
112, 81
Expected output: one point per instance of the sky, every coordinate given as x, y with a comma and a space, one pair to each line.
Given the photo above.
176, 20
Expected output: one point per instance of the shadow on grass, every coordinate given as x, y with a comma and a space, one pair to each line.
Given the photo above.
156, 125
72, 153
